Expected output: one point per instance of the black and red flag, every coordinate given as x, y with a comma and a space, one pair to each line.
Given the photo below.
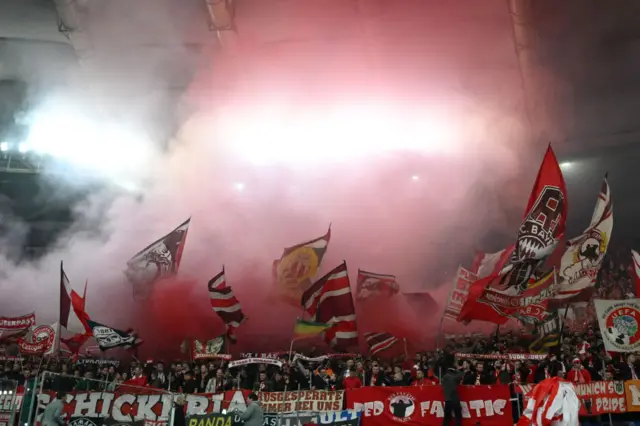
539, 233
159, 260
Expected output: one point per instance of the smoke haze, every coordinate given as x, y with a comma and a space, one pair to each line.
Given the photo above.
415, 213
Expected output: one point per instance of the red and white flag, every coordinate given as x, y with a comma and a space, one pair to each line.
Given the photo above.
41, 340
372, 285
225, 304
485, 264
72, 306
542, 228
379, 342
329, 301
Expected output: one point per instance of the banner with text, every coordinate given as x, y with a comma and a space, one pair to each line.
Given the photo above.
340, 418
419, 406
153, 406
10, 402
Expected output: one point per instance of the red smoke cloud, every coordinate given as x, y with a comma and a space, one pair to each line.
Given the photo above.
295, 64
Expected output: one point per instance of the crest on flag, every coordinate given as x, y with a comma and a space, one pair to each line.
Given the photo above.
542, 227
41, 340
581, 261
214, 348
298, 265
543, 224
159, 260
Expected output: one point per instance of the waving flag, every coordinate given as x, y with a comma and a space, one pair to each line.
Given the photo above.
72, 306
371, 285
225, 304
329, 301
303, 329
379, 342
485, 264
541, 229
581, 261
296, 268
159, 260
109, 338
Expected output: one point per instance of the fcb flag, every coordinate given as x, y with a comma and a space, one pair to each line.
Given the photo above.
298, 265
303, 329
541, 229
581, 261
157, 261
370, 285
329, 301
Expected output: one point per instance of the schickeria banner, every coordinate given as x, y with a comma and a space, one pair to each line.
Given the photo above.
129, 405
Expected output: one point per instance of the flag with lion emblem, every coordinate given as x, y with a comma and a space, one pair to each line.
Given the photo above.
159, 260
581, 261
298, 265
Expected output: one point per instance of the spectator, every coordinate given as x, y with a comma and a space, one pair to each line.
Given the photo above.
52, 415
452, 407
253, 415
351, 381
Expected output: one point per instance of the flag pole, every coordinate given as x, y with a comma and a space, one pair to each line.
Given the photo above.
57, 343
453, 284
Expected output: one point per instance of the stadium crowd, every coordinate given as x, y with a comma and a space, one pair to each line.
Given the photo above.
580, 358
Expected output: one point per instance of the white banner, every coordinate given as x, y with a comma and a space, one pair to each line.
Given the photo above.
619, 324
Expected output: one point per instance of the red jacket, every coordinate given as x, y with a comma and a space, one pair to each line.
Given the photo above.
579, 376
140, 381
352, 382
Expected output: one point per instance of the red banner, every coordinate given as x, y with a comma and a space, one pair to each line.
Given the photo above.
596, 398
420, 406
17, 323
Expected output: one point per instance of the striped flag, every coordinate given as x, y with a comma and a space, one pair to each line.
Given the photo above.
329, 300
379, 342
225, 304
